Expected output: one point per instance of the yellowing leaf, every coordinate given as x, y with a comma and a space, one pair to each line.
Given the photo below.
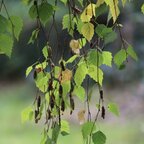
88, 31
65, 129
81, 116
114, 9
124, 2
66, 75
74, 44
107, 58
29, 69
112, 107
99, 2
27, 114
95, 73
88, 12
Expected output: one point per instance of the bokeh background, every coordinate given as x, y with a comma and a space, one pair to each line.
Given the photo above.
125, 87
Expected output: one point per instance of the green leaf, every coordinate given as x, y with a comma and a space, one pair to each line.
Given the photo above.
47, 97
28, 70
68, 23
6, 44
110, 37
80, 74
101, 10
66, 88
95, 57
81, 2
18, 25
33, 12
99, 138
107, 58
106, 33
112, 107
3, 24
87, 129
95, 73
142, 8
87, 31
64, 1
120, 57
42, 81
27, 114
79, 91
82, 42
34, 36
71, 59
132, 53
45, 138
55, 133
26, 2
79, 25
65, 129
45, 11
45, 52
102, 30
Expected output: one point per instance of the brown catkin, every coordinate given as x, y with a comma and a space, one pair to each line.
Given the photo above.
49, 116
62, 105
62, 66
36, 116
103, 112
38, 102
101, 94
52, 101
50, 85
72, 103
35, 74
60, 89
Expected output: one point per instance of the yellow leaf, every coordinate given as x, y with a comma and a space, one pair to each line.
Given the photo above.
88, 12
75, 46
114, 9
88, 31
66, 75
81, 116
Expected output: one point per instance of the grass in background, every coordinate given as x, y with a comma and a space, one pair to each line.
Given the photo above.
15, 98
